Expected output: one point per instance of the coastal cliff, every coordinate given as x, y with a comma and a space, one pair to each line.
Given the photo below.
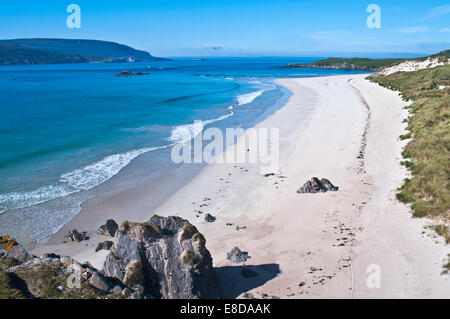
165, 257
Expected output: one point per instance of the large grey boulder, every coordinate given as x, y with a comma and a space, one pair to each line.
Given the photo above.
98, 281
166, 256
316, 185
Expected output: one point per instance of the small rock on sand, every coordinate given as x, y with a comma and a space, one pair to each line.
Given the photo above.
317, 186
237, 256
75, 235
209, 218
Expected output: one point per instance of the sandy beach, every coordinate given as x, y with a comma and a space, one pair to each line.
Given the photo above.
324, 245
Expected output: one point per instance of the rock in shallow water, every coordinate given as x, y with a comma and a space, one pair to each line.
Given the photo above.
317, 186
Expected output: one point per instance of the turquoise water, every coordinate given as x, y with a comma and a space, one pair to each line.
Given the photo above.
66, 130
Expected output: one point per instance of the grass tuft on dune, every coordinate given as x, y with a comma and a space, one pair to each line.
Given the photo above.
427, 153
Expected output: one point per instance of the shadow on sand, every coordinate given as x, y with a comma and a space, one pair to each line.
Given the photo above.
235, 280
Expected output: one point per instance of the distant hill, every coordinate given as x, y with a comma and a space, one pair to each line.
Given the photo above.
443, 55
45, 51
14, 54
363, 64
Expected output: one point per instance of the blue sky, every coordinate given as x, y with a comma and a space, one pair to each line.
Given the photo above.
240, 27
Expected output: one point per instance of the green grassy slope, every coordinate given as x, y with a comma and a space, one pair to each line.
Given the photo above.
361, 62
427, 154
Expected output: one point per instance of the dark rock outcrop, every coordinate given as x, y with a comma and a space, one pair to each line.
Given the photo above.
129, 73
237, 256
162, 258
109, 229
166, 256
209, 218
106, 245
328, 186
75, 235
317, 186
124, 73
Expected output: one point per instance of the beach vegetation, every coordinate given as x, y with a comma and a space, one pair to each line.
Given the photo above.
188, 228
9, 262
428, 150
360, 62
405, 136
188, 257
124, 227
444, 231
10, 288
42, 281
447, 266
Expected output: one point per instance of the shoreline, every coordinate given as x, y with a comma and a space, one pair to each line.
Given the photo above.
96, 209
303, 245
149, 166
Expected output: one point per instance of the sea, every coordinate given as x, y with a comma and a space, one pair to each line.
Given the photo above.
70, 132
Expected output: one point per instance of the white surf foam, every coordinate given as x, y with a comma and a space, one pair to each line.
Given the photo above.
184, 133
43, 194
69, 183
187, 132
97, 173
248, 97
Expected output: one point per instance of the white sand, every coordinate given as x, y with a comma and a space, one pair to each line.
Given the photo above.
307, 245
413, 65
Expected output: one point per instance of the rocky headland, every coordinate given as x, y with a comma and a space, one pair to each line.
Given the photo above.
164, 257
